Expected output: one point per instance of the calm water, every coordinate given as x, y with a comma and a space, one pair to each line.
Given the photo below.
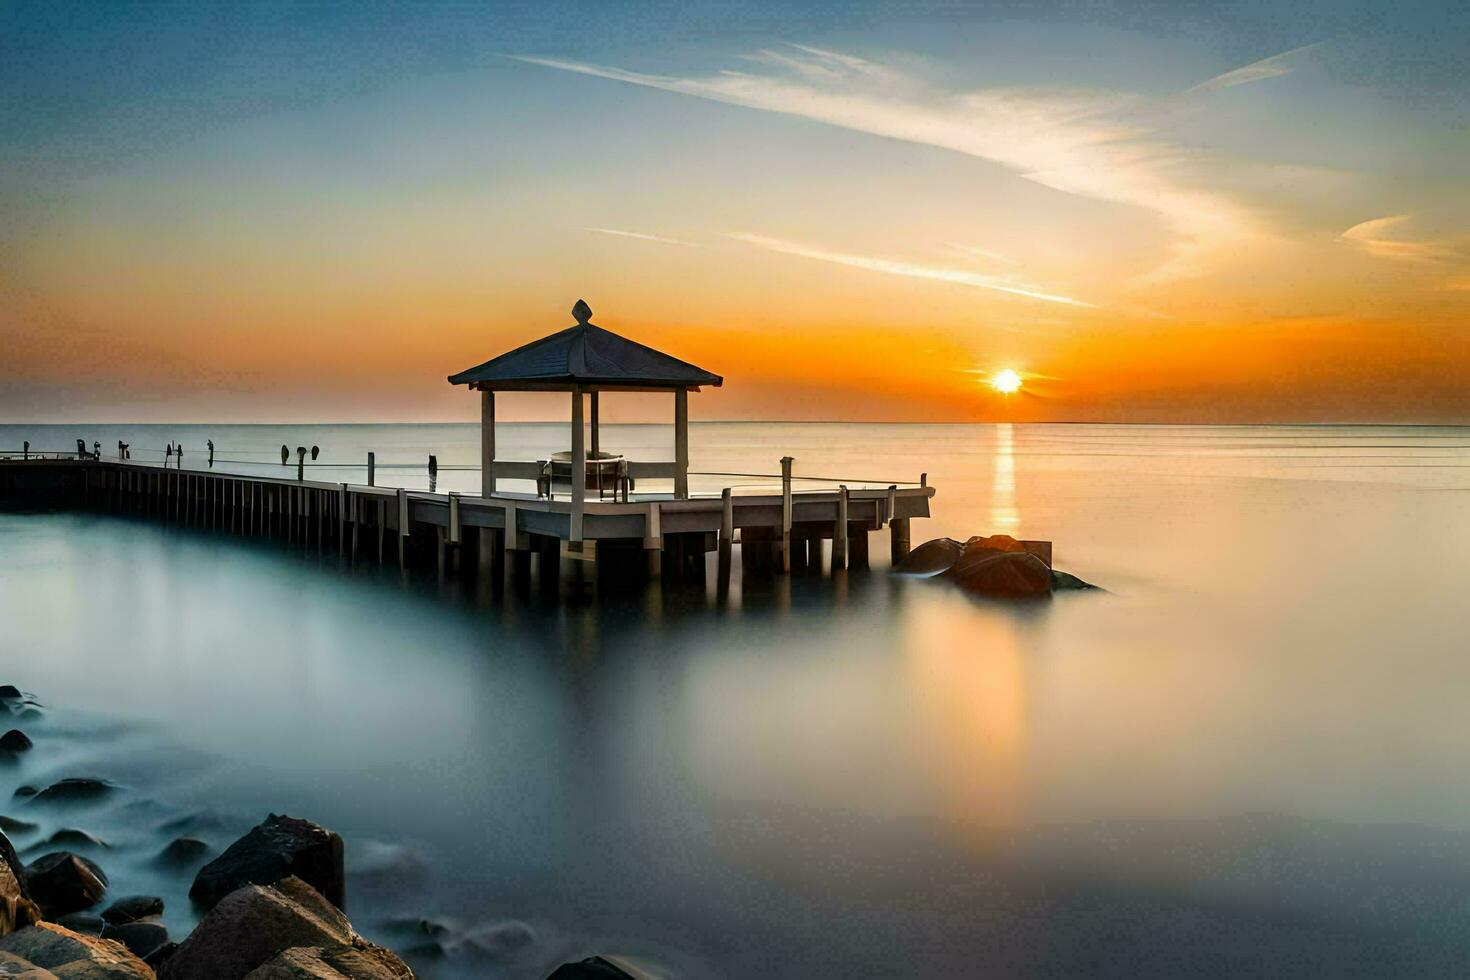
1248, 758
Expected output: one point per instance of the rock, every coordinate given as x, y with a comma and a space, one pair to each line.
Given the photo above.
282, 846
24, 792
364, 962
10, 825
592, 968
251, 925
72, 837
72, 956
9, 692
13, 967
15, 741
62, 882
995, 542
183, 852
142, 936
83, 922
155, 958
17, 908
130, 908
75, 790
1001, 574
1066, 580
931, 558
190, 823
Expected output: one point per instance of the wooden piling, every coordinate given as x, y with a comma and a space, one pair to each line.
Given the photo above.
726, 543
786, 508
839, 532
898, 530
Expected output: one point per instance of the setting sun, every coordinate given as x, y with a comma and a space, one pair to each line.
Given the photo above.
1006, 382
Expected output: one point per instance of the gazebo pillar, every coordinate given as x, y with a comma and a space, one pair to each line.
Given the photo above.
579, 468
487, 443
596, 426
681, 444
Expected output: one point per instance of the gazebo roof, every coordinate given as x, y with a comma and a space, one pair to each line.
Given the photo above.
585, 355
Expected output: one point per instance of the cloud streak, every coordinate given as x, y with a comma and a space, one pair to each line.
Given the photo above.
640, 236
1082, 142
1371, 236
1258, 71
908, 270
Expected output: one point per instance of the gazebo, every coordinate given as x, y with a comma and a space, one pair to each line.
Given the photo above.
584, 360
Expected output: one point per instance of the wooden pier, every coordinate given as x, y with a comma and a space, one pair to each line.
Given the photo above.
664, 537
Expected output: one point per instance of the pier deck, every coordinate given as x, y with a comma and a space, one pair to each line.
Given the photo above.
777, 531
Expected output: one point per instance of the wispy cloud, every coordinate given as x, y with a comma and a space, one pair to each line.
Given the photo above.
1258, 71
1374, 238
640, 236
908, 269
1093, 144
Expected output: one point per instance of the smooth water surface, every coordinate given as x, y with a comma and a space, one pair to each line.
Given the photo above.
1247, 757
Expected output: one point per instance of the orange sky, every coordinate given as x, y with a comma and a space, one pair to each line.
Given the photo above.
863, 232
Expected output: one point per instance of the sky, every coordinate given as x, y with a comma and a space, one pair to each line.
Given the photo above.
1171, 212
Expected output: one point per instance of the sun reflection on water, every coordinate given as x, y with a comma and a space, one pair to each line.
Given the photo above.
1005, 517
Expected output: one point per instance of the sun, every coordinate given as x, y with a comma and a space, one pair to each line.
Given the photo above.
1006, 382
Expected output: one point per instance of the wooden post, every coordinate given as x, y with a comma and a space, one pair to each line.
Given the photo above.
487, 443
681, 444
727, 541
300, 465
898, 530
372, 468
341, 519
596, 427
579, 471
653, 540
786, 462
402, 526
839, 531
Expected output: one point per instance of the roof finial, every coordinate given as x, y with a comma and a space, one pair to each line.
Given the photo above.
582, 312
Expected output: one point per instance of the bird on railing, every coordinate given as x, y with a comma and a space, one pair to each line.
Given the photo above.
211, 452
285, 455
314, 452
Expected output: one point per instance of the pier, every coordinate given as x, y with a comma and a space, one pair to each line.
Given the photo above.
666, 537
583, 515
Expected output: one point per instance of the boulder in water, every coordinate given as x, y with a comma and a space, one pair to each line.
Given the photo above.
251, 926
280, 847
142, 936
182, 852
10, 825
592, 968
1001, 574
75, 790
15, 741
72, 837
931, 558
74, 956
9, 692
62, 882
1066, 580
130, 908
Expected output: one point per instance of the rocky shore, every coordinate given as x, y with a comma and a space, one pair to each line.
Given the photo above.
271, 906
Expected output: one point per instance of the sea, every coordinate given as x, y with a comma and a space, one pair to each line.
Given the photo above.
1246, 754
